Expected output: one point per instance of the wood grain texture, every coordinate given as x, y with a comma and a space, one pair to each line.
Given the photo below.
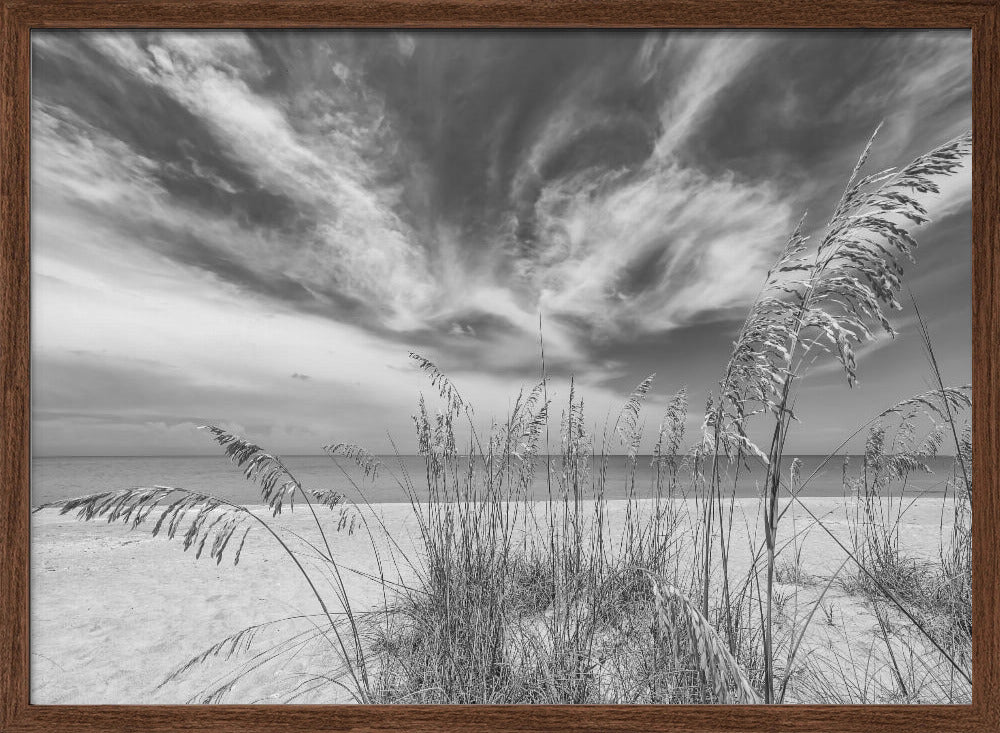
502, 13
15, 403
986, 369
18, 17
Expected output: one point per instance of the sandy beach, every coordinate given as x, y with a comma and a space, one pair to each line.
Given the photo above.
114, 611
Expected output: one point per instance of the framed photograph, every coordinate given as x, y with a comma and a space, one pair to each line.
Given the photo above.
499, 366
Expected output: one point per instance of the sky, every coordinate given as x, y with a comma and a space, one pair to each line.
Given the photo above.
255, 229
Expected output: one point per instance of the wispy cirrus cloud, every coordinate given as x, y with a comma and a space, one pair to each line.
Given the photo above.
322, 156
439, 191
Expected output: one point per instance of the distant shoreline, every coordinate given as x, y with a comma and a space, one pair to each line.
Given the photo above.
58, 479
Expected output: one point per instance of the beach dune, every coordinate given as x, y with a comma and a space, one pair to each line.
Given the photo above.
115, 611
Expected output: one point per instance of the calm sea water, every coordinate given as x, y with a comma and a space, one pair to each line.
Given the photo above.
53, 479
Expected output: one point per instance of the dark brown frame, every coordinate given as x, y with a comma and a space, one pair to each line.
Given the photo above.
20, 16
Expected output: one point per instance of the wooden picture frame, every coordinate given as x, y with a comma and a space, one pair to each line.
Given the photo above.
18, 19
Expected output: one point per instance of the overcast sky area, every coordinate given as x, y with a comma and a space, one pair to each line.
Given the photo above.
254, 229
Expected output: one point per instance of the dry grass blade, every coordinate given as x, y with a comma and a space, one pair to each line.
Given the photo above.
940, 402
628, 419
448, 392
368, 463
329, 497
831, 299
201, 517
265, 469
719, 667
671, 431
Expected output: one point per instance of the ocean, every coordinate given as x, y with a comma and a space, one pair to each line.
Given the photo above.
56, 478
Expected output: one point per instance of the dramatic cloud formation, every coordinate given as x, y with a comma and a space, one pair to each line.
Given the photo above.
255, 228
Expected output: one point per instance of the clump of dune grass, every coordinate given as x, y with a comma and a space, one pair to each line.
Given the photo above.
936, 589
525, 588
817, 301
528, 597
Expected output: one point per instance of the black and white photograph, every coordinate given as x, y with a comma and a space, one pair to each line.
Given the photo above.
501, 367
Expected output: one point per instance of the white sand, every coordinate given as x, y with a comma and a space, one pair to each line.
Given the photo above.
114, 611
